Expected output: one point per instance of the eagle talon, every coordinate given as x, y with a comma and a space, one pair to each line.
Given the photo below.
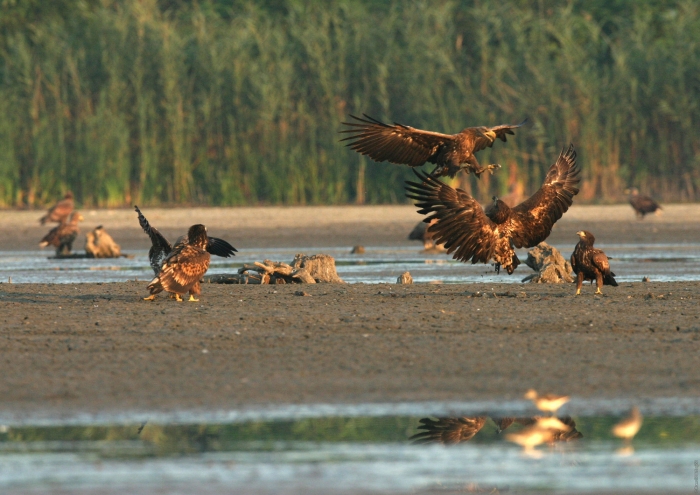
578, 292
598, 291
192, 299
152, 297
178, 298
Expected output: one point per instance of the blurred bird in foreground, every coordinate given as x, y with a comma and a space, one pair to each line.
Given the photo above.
545, 430
60, 211
628, 427
63, 235
547, 403
642, 203
590, 263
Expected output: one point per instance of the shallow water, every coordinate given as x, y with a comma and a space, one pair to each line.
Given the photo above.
337, 454
631, 262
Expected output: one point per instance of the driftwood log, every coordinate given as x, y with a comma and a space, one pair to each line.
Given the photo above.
319, 268
550, 265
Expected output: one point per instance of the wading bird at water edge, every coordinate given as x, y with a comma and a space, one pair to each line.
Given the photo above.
475, 235
402, 144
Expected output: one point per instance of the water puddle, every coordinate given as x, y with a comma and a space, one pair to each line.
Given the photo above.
631, 262
358, 454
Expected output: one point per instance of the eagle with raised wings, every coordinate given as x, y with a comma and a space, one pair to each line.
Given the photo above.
402, 144
161, 247
475, 235
448, 431
183, 269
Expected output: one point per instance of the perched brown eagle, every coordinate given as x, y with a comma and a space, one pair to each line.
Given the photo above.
63, 235
590, 263
184, 267
161, 248
475, 235
60, 211
448, 431
642, 204
407, 145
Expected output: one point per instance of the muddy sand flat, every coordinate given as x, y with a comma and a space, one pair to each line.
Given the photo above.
100, 348
97, 348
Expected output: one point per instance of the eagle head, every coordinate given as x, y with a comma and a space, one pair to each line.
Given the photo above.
197, 236
498, 211
586, 237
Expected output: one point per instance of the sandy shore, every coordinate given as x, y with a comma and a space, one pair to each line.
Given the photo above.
324, 226
99, 348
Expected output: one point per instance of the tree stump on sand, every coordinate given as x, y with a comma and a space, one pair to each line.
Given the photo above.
404, 278
550, 265
99, 244
319, 268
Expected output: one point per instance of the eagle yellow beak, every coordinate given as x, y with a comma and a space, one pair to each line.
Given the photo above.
581, 234
491, 135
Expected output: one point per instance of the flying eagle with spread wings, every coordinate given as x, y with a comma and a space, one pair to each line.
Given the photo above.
183, 269
402, 144
63, 235
161, 247
475, 235
60, 211
448, 431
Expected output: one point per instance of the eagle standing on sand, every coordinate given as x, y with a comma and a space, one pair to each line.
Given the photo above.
63, 235
475, 235
590, 263
402, 144
184, 267
60, 211
642, 203
161, 248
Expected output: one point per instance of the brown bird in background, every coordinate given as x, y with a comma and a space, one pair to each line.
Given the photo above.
63, 235
183, 268
60, 211
402, 144
642, 204
590, 263
475, 235
548, 402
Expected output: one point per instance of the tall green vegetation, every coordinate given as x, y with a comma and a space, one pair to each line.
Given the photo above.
239, 101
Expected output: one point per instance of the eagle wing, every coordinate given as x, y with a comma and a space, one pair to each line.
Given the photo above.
396, 143
59, 211
462, 226
481, 141
532, 220
157, 239
220, 247
448, 431
183, 268
600, 261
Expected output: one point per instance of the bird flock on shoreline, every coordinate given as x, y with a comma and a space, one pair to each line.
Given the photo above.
456, 222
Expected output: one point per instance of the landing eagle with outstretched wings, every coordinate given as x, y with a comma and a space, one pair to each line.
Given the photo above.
475, 235
402, 144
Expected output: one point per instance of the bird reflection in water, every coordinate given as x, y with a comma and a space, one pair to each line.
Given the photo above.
536, 431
